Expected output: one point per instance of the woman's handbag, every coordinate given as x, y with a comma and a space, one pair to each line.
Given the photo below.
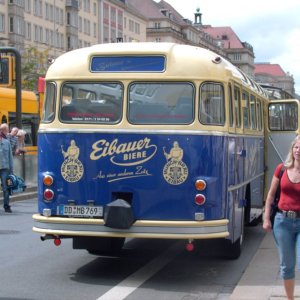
274, 205
15, 184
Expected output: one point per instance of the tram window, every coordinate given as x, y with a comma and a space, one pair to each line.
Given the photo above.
246, 110
161, 103
49, 105
253, 112
237, 106
91, 102
212, 108
283, 116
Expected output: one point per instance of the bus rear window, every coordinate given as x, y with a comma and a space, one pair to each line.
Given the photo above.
83, 102
161, 103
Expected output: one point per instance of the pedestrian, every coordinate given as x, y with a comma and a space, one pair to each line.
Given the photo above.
20, 142
286, 229
6, 167
4, 130
12, 137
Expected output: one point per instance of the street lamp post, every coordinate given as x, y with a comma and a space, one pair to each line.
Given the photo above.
18, 82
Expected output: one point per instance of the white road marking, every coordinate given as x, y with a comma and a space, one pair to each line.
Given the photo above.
131, 283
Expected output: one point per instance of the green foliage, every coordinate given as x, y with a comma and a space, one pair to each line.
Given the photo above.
34, 65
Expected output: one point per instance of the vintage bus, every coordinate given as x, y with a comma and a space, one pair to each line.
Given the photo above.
149, 140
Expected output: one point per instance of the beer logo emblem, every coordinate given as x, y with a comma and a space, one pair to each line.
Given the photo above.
72, 168
175, 170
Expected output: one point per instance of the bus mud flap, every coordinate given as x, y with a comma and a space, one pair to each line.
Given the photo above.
118, 214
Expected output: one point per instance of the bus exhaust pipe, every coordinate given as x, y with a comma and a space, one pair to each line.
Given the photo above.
47, 237
56, 239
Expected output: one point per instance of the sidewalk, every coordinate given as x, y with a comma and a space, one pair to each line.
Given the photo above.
29, 193
261, 280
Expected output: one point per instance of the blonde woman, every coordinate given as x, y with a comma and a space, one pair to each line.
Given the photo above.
286, 229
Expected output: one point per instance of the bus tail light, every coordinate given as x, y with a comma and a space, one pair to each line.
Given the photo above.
57, 241
200, 185
189, 247
200, 199
48, 195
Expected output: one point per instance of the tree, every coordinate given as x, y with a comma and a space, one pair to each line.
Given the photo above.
34, 65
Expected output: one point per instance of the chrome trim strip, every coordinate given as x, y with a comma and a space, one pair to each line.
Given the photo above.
209, 132
140, 229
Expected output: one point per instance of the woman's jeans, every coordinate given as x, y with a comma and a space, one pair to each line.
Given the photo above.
286, 232
3, 175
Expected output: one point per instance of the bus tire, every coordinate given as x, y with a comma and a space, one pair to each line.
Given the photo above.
233, 250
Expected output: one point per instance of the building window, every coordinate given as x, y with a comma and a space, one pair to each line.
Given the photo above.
137, 28
237, 57
28, 6
28, 31
2, 22
131, 26
95, 9
80, 24
95, 29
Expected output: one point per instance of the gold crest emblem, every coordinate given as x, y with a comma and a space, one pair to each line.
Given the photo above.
71, 169
175, 170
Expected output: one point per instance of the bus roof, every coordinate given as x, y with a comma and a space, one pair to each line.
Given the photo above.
181, 60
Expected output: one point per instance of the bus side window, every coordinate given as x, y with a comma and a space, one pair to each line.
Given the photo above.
253, 112
230, 105
259, 115
237, 106
246, 110
212, 108
283, 116
49, 105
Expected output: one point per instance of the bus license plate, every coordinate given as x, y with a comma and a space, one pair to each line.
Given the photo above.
81, 211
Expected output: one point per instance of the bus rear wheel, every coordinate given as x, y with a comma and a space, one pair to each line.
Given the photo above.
233, 250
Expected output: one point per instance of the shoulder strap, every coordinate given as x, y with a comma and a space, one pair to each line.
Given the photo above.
277, 194
281, 171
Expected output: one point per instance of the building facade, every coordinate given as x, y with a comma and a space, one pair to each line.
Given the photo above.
62, 25
56, 26
273, 75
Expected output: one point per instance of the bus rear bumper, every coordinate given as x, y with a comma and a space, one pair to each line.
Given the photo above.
70, 227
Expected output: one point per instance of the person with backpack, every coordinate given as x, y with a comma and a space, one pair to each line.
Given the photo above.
6, 166
286, 228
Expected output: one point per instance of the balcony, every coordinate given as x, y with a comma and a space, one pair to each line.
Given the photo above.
73, 4
165, 30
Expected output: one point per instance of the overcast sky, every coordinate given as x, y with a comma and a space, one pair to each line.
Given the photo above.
272, 27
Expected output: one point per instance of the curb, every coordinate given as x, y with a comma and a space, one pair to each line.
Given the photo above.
31, 192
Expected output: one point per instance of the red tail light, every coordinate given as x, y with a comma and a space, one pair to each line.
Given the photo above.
48, 195
200, 199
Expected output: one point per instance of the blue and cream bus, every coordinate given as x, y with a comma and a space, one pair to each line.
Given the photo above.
149, 140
